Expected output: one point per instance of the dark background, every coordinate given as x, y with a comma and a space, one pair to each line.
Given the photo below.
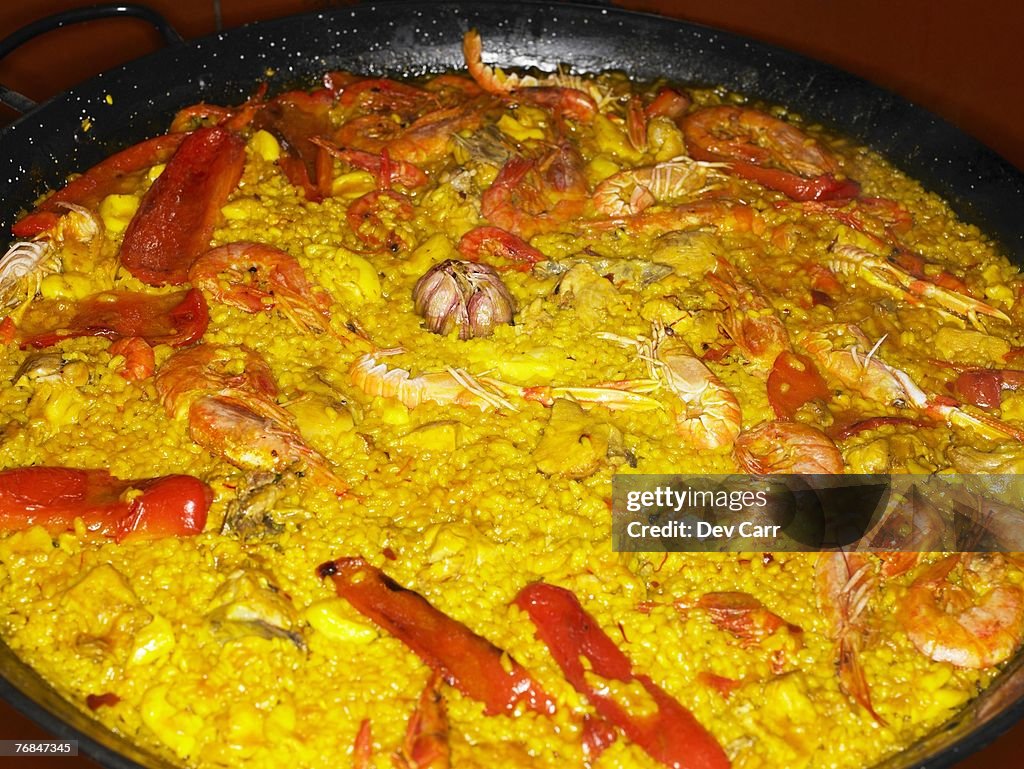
963, 59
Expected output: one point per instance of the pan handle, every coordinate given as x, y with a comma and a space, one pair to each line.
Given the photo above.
20, 102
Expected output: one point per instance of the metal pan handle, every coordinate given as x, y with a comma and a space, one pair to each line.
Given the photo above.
20, 102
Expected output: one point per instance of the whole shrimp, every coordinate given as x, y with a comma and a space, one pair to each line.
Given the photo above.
458, 387
787, 447
529, 197
229, 393
766, 150
975, 624
709, 414
631, 191
254, 277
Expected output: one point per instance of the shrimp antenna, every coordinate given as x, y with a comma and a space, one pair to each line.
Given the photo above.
873, 350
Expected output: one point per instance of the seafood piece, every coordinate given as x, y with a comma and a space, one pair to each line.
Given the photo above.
177, 319
467, 661
26, 263
236, 118
379, 94
577, 97
789, 448
750, 321
249, 603
629, 192
105, 178
851, 260
463, 295
294, 118
669, 103
176, 217
494, 241
453, 386
56, 497
974, 623
844, 584
855, 368
427, 140
710, 414
488, 145
575, 444
426, 738
617, 271
386, 170
745, 617
725, 215
529, 197
255, 277
374, 219
873, 379
458, 387
766, 150
248, 514
590, 660
256, 434
212, 368
139, 360
233, 415
40, 367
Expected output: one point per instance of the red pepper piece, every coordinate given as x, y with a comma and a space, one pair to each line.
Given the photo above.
598, 736
842, 432
795, 187
721, 684
794, 381
177, 319
172, 506
983, 386
175, 220
99, 181
53, 497
8, 331
97, 701
671, 735
468, 662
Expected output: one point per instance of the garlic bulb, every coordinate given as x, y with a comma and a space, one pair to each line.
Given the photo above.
464, 295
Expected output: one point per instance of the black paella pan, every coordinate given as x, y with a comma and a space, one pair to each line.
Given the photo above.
409, 38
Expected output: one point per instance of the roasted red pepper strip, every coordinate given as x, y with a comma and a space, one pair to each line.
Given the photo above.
671, 735
470, 663
793, 186
794, 381
177, 319
175, 220
53, 497
99, 181
840, 432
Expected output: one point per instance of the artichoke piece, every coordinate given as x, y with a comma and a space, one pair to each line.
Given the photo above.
250, 604
575, 443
